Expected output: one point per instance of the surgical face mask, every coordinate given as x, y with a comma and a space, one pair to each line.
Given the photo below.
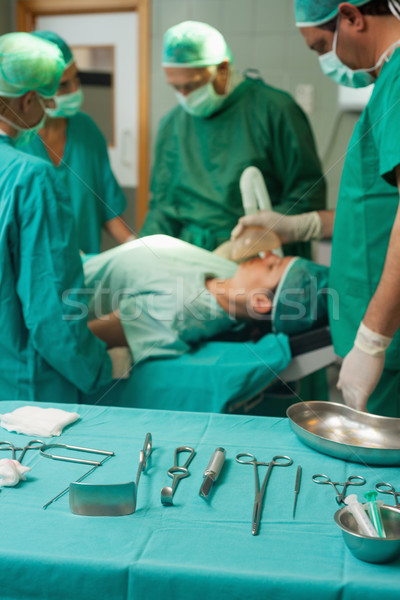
24, 136
67, 105
333, 67
202, 102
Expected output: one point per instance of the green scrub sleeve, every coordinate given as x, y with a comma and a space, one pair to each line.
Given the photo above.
296, 162
386, 129
50, 286
112, 195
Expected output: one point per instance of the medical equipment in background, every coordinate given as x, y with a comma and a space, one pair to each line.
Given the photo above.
212, 472
375, 512
109, 499
255, 194
107, 454
177, 473
340, 496
358, 512
296, 489
387, 488
276, 461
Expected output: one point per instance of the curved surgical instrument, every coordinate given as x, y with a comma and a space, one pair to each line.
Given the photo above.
340, 496
276, 461
380, 487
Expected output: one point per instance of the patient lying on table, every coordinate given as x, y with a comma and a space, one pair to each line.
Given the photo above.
161, 296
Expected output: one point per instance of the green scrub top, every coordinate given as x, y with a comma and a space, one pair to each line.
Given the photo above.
86, 174
47, 353
199, 161
367, 205
158, 284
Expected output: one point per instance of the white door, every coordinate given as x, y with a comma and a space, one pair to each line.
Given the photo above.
118, 31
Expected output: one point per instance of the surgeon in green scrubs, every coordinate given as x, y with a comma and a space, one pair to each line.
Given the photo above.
223, 124
358, 43
47, 352
71, 140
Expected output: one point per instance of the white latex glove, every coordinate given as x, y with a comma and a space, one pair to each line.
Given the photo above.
295, 228
11, 472
362, 367
121, 359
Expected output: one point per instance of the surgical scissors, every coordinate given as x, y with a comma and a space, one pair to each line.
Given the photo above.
276, 461
340, 496
390, 490
32, 445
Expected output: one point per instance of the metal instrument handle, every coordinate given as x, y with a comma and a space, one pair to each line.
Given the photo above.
96, 463
188, 460
143, 456
215, 464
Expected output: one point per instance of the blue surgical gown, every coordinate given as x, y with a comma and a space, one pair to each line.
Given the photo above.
47, 353
86, 174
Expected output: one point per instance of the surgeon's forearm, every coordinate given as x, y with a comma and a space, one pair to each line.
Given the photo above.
109, 329
119, 230
383, 313
328, 220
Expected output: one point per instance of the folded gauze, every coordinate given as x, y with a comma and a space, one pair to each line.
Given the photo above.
11, 472
33, 420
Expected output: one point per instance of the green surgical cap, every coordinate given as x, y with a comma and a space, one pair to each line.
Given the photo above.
194, 44
50, 36
311, 13
28, 63
300, 300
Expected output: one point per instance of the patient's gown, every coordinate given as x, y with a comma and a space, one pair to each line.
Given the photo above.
158, 284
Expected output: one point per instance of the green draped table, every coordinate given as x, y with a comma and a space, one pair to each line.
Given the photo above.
194, 549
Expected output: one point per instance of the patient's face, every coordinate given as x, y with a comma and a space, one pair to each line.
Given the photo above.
260, 273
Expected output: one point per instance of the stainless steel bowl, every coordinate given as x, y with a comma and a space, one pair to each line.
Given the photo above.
369, 549
346, 433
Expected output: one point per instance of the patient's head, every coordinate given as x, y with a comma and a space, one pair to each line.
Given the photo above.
288, 291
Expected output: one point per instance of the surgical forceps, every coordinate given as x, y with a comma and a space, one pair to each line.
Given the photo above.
276, 461
340, 496
177, 473
380, 487
32, 445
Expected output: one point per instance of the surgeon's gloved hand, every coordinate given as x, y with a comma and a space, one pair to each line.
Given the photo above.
121, 359
293, 228
362, 367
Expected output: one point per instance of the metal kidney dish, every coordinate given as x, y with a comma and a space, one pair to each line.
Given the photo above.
345, 433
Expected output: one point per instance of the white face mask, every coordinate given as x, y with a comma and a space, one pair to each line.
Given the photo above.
67, 105
333, 67
24, 135
202, 102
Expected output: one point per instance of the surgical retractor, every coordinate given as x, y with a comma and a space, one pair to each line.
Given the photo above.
177, 473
